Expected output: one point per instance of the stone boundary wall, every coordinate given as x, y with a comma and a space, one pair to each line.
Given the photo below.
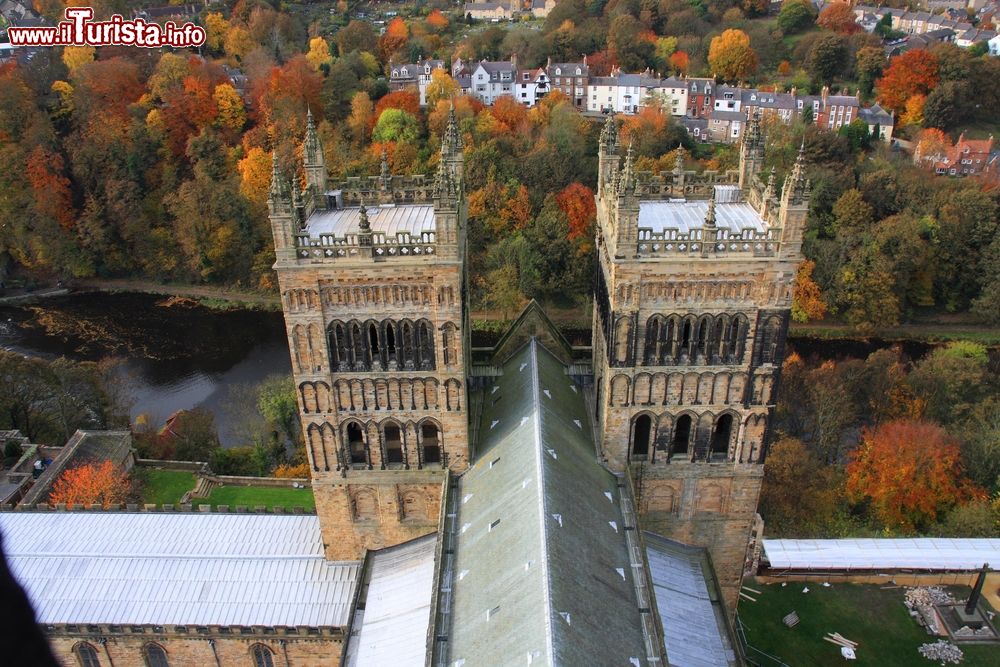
270, 482
179, 508
897, 578
185, 466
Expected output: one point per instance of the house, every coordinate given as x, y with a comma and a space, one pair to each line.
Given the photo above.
974, 36
673, 93
490, 11
967, 157
572, 79
541, 8
770, 105
620, 92
532, 85
167, 13
834, 111
701, 98
490, 80
697, 128
6, 52
880, 122
414, 76
725, 127
994, 45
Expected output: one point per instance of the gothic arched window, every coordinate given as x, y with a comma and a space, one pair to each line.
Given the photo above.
262, 656
430, 442
393, 444
86, 655
356, 444
641, 431
156, 656
720, 438
682, 435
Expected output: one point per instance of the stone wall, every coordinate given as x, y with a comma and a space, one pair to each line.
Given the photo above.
201, 647
376, 509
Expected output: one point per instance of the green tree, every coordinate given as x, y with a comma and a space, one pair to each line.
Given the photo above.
799, 494
951, 380
278, 404
949, 104
193, 435
869, 64
396, 125
826, 58
796, 16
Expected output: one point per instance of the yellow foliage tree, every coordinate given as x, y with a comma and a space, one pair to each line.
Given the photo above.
232, 112
319, 53
216, 28
913, 113
441, 87
807, 301
238, 43
74, 56
731, 57
255, 175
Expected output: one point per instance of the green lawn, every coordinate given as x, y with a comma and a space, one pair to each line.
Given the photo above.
875, 618
252, 496
166, 486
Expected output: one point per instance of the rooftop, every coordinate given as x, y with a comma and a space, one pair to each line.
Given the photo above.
177, 569
684, 215
412, 219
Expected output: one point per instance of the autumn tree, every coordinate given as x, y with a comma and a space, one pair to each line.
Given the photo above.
404, 100
51, 189
679, 62
436, 21
356, 36
232, 113
577, 203
910, 473
799, 494
838, 17
396, 125
74, 56
912, 73
913, 110
362, 117
807, 301
394, 40
951, 379
319, 53
869, 63
441, 87
102, 484
216, 27
730, 56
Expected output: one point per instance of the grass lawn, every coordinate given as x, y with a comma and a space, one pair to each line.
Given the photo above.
251, 496
166, 486
875, 618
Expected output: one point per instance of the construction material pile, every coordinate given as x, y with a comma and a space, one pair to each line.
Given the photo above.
920, 601
942, 651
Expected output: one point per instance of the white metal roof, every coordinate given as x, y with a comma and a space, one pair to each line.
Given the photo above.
392, 627
389, 220
687, 215
177, 569
929, 553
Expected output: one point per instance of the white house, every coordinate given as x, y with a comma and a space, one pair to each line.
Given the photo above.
620, 93
673, 93
532, 85
994, 46
491, 80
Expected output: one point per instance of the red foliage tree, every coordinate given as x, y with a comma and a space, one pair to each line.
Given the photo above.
395, 38
912, 73
679, 62
50, 187
577, 202
403, 100
186, 111
910, 471
838, 17
91, 484
510, 113
601, 63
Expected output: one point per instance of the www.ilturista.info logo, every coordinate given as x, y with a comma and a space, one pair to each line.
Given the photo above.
79, 30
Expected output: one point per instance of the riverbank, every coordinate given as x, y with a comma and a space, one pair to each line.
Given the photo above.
210, 296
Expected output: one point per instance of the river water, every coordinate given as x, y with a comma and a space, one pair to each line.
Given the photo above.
175, 354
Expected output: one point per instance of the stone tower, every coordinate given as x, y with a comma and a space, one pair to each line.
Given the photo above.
372, 278
692, 304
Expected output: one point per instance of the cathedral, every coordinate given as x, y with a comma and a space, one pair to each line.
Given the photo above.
529, 503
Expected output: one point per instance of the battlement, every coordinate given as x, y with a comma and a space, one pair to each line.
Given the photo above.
681, 184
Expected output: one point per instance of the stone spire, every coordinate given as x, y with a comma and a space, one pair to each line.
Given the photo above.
626, 184
771, 192
679, 161
311, 143
752, 138
751, 152
363, 225
797, 187
385, 176
710, 215
298, 209
451, 142
609, 134
444, 185
277, 188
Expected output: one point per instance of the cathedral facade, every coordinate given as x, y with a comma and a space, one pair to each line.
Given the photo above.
692, 304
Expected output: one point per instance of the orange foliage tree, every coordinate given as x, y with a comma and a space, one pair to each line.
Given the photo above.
577, 202
51, 188
404, 100
510, 114
912, 73
395, 38
105, 484
679, 62
807, 300
838, 17
931, 142
437, 21
730, 56
910, 471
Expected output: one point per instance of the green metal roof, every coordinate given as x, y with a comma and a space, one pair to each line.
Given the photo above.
542, 572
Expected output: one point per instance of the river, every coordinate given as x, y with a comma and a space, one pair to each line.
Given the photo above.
176, 354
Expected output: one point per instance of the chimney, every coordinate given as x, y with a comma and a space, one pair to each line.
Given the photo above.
584, 58
513, 60
548, 62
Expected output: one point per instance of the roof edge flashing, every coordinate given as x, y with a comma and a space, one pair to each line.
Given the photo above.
540, 471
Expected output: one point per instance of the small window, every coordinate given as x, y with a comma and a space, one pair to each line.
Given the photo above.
495, 523
156, 656
87, 655
493, 612
494, 461
262, 656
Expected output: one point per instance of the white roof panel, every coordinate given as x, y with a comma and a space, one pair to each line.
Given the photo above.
685, 215
388, 220
177, 569
392, 627
929, 553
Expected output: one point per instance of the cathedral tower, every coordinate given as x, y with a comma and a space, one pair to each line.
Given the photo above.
372, 280
692, 304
